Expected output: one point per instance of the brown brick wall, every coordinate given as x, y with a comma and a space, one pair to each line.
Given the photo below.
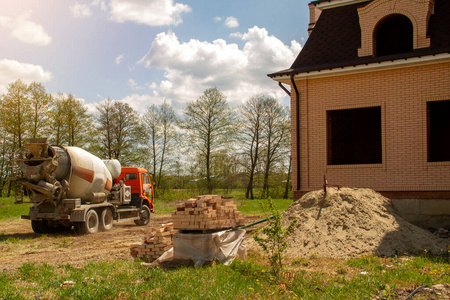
403, 95
401, 194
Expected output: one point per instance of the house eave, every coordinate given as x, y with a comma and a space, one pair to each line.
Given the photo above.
337, 3
364, 68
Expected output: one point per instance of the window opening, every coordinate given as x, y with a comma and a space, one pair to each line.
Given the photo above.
394, 35
130, 176
145, 179
354, 136
438, 131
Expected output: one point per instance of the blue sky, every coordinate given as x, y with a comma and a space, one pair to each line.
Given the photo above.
146, 51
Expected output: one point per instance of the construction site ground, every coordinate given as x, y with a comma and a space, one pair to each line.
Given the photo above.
20, 245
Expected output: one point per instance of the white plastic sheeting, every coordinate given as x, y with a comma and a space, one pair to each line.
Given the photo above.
224, 245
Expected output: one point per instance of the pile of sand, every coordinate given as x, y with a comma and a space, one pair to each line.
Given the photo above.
350, 222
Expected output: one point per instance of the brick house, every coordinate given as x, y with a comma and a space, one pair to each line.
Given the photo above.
370, 102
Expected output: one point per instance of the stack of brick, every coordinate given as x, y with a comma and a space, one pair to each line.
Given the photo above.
209, 212
156, 242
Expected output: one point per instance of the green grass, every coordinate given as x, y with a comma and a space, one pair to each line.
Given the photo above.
247, 207
362, 278
165, 204
182, 194
253, 207
9, 210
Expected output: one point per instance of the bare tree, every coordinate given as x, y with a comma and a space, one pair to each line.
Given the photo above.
160, 123
167, 120
126, 131
276, 131
208, 121
119, 133
252, 115
105, 119
150, 119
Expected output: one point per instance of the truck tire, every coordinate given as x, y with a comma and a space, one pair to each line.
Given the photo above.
39, 226
106, 219
91, 224
57, 227
144, 215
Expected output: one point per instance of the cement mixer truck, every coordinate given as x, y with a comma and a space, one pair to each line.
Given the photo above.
70, 187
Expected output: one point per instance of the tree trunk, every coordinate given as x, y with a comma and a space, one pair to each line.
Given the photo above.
286, 188
161, 164
208, 167
265, 189
249, 191
208, 172
3, 165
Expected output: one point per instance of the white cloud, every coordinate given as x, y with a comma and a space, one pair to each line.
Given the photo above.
80, 10
119, 59
217, 19
140, 102
152, 13
191, 67
91, 108
25, 30
237, 35
100, 3
134, 85
231, 22
11, 70
268, 51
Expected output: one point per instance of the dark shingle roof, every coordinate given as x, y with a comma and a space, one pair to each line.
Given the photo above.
336, 37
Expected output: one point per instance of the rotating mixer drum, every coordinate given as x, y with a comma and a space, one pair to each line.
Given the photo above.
81, 174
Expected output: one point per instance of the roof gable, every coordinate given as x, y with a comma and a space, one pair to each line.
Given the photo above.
336, 38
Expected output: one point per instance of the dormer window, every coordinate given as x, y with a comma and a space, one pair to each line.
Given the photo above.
394, 35
392, 27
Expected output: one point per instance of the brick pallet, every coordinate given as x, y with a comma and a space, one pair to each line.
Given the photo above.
156, 242
205, 213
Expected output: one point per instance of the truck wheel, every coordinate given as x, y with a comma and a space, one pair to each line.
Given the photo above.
144, 215
106, 220
90, 225
78, 227
39, 226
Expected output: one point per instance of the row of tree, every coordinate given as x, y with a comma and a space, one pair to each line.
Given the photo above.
211, 145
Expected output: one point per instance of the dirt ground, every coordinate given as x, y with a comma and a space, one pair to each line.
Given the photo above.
25, 246
20, 245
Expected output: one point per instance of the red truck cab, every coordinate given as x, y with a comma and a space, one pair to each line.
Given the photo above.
142, 186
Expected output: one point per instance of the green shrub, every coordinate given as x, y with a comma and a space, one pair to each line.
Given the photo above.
273, 240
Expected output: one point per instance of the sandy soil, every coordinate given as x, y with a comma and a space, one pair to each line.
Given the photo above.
351, 222
19, 244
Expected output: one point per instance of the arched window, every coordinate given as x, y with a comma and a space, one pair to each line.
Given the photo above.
394, 35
